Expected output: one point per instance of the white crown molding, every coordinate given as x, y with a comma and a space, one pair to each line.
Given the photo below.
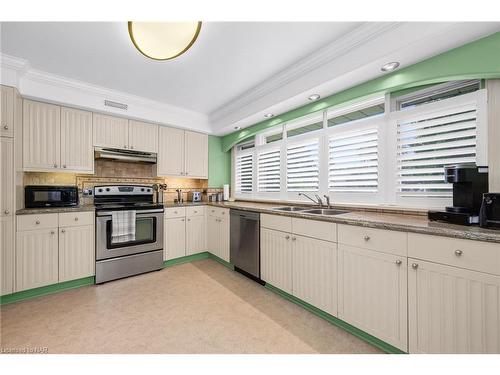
36, 84
329, 53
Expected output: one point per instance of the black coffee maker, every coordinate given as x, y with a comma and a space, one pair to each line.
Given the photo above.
469, 185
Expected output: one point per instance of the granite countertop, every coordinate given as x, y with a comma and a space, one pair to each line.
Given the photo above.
381, 220
54, 210
184, 204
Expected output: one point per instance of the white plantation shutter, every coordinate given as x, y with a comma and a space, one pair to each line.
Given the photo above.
353, 161
302, 166
268, 171
244, 173
428, 143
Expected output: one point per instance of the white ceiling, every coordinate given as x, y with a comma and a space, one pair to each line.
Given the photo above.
236, 70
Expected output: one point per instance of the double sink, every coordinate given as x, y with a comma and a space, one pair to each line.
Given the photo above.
315, 211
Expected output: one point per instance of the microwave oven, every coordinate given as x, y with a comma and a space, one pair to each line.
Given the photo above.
37, 196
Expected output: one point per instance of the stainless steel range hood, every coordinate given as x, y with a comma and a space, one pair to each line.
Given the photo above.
124, 155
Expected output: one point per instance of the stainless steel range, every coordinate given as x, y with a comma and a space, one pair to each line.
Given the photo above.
137, 252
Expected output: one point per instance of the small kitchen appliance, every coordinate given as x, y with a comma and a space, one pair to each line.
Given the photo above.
469, 185
39, 196
489, 216
194, 196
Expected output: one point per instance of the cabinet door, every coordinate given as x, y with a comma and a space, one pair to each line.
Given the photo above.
314, 276
196, 151
7, 255
77, 152
373, 293
76, 252
36, 258
213, 238
7, 176
224, 238
196, 237
452, 310
170, 152
110, 131
276, 259
41, 136
6, 111
142, 136
175, 238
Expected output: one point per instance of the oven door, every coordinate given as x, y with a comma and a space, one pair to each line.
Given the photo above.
148, 235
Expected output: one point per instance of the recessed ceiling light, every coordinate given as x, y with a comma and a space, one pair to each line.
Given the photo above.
389, 67
268, 115
237, 127
163, 40
314, 97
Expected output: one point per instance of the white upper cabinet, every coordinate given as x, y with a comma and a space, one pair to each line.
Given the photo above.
110, 131
196, 154
7, 111
41, 136
7, 176
142, 136
77, 152
170, 152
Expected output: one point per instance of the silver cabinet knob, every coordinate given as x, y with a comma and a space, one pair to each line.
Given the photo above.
189, 219
64, 165
52, 232
366, 237
76, 219
294, 238
196, 212
7, 212
37, 222
458, 252
414, 266
186, 173
63, 230
6, 127
398, 262
55, 165
182, 219
175, 212
125, 146
287, 237
131, 147
223, 213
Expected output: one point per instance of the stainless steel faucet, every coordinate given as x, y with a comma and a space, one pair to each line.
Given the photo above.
317, 200
327, 198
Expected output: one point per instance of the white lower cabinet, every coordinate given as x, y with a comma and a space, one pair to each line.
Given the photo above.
276, 258
175, 238
373, 293
36, 258
218, 233
7, 255
314, 279
452, 310
76, 255
196, 237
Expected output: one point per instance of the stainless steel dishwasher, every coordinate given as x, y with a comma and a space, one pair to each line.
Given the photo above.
245, 243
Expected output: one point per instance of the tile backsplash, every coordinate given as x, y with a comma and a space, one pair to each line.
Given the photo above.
113, 172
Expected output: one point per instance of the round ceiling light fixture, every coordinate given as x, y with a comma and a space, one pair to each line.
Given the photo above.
268, 115
390, 66
314, 97
237, 127
163, 40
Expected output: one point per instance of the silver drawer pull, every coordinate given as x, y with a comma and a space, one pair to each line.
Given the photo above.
76, 219
55, 165
367, 237
287, 237
458, 252
189, 219
52, 232
63, 231
37, 222
6, 127
294, 238
398, 262
175, 212
414, 266
6, 212
64, 165
196, 212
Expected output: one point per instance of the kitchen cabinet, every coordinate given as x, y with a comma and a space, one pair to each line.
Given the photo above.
36, 258
76, 252
7, 183
7, 122
452, 310
110, 131
182, 153
142, 136
77, 151
373, 293
218, 232
41, 136
314, 272
196, 237
276, 258
175, 238
196, 155
7, 255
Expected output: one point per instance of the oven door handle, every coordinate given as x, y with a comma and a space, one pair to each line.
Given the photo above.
138, 212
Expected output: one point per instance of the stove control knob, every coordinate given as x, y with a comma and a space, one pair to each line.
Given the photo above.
107, 189
99, 190
142, 189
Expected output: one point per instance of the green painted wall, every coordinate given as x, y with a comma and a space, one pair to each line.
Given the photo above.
219, 163
476, 60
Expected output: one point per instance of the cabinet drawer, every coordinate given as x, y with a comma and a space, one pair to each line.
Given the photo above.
282, 223
386, 241
195, 211
473, 255
173, 212
321, 230
218, 212
32, 222
73, 219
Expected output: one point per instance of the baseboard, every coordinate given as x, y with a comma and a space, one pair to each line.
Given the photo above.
382, 345
186, 259
221, 261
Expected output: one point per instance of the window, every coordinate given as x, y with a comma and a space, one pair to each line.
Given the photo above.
353, 161
244, 173
359, 114
428, 143
269, 171
302, 166
304, 125
246, 144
